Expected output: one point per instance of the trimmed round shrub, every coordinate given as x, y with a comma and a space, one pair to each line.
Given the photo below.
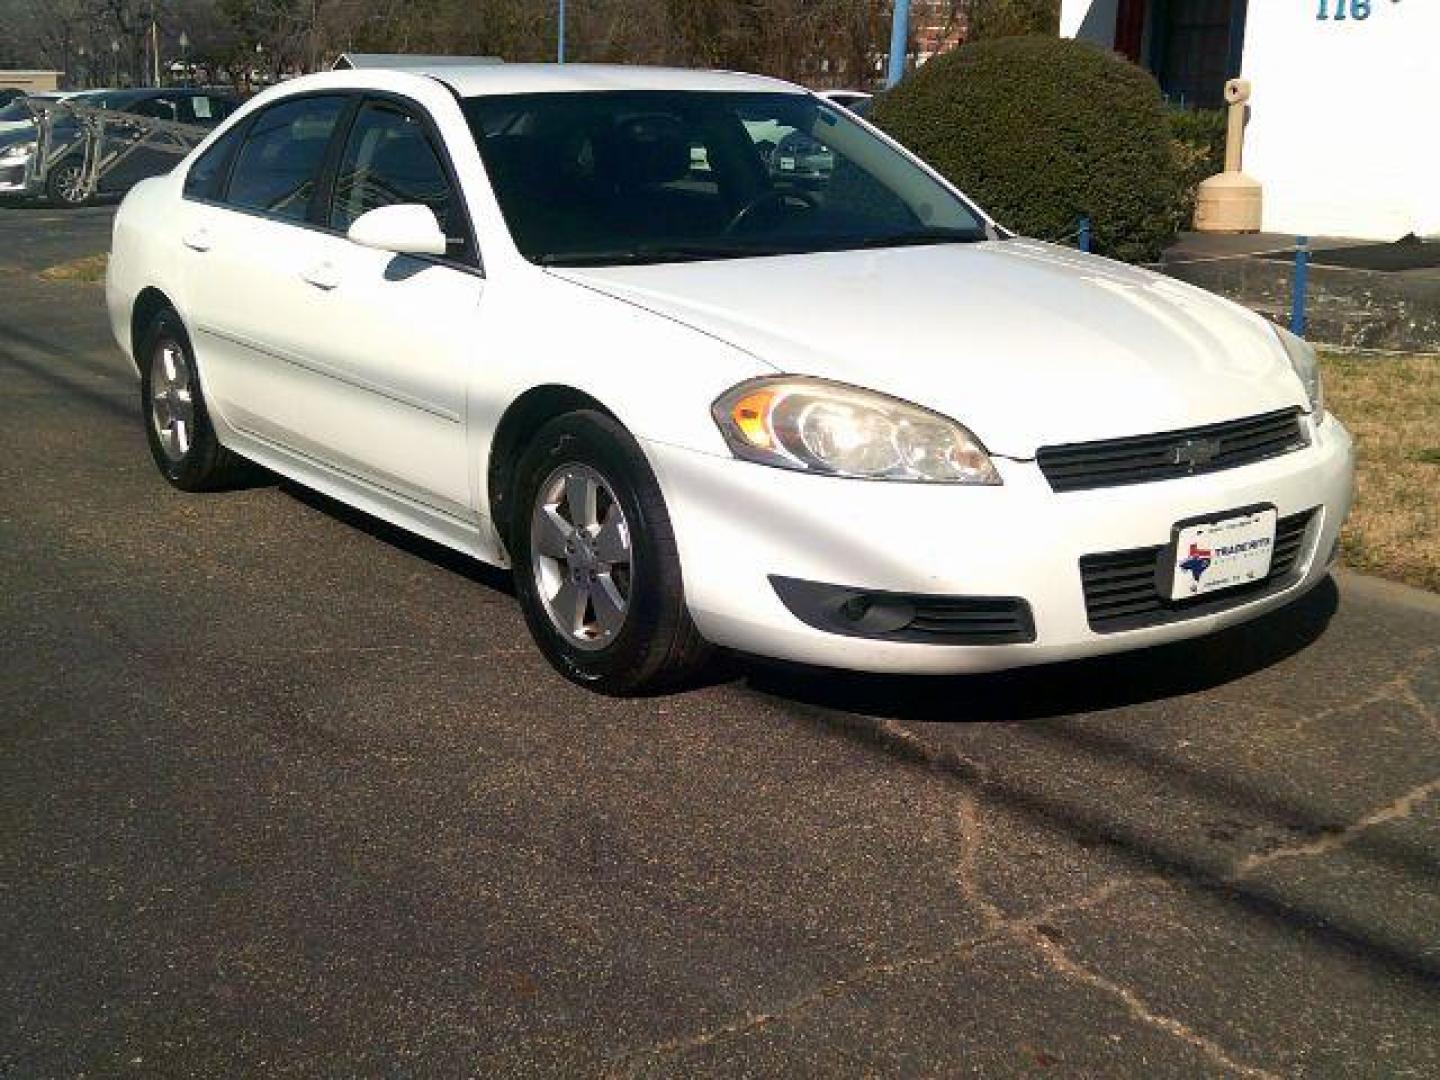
1042, 130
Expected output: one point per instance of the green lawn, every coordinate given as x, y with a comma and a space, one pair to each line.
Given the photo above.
1392, 406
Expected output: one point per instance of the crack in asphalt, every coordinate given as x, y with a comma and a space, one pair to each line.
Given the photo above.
1400, 688
904, 743
1028, 932
632, 1063
1063, 963
1393, 811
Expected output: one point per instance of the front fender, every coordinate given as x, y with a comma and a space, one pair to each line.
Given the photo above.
656, 375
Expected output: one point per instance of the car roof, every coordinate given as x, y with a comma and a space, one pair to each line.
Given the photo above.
562, 78
479, 80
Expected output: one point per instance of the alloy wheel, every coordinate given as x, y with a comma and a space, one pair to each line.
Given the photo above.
172, 400
581, 556
69, 184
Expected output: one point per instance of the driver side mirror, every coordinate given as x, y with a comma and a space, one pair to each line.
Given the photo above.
404, 229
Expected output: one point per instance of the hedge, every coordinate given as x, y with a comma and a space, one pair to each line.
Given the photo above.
1040, 130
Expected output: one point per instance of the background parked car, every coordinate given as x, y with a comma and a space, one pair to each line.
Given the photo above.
15, 114
62, 183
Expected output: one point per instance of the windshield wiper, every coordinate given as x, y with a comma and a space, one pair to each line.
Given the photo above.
613, 257
649, 254
914, 237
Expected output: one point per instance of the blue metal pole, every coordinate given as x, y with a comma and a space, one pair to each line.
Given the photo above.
899, 42
1302, 277
560, 37
1084, 233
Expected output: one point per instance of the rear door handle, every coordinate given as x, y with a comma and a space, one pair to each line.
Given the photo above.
198, 240
323, 276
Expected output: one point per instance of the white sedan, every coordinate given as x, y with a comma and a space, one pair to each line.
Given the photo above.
852, 422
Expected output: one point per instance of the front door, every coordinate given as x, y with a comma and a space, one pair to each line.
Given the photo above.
355, 358
389, 339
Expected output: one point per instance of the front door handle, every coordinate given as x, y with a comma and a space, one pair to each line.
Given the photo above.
198, 240
324, 276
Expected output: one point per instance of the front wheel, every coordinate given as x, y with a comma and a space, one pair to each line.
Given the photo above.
596, 568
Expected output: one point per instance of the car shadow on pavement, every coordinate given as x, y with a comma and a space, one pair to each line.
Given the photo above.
1035, 693
1062, 689
480, 573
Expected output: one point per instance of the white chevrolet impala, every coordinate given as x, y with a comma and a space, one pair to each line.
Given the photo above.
585, 322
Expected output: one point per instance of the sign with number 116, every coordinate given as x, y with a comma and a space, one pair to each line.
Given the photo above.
1340, 10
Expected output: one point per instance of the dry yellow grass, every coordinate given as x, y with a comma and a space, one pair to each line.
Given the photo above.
1391, 404
87, 270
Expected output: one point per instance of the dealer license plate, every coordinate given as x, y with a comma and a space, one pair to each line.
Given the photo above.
1223, 554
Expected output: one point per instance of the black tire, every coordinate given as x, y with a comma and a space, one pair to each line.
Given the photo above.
60, 184
204, 465
658, 646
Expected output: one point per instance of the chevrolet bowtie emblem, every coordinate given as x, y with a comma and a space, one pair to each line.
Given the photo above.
1193, 453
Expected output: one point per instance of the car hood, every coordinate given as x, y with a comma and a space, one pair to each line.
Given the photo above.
1025, 343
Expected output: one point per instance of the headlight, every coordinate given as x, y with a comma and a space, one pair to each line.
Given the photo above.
1307, 367
816, 426
18, 150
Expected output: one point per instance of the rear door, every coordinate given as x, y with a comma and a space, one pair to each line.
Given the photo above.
247, 239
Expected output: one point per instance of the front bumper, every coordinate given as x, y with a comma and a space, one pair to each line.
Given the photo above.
738, 524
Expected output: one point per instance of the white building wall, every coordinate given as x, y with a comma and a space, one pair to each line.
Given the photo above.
1344, 117
1345, 113
1089, 20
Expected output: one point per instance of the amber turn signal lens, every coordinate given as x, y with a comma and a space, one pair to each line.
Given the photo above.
750, 415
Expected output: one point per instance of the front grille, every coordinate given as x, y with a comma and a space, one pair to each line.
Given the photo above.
1171, 455
1122, 588
909, 617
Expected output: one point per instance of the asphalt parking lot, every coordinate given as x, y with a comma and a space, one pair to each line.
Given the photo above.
285, 792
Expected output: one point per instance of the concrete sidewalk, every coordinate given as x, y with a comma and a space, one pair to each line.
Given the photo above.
1361, 295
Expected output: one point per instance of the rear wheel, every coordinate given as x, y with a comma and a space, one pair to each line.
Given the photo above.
65, 186
596, 567
177, 425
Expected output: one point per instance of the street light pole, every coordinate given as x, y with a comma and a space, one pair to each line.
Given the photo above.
560, 37
899, 41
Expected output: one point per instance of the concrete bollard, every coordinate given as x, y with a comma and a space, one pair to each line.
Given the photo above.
1231, 201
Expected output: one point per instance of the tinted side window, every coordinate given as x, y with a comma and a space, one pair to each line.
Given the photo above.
389, 160
206, 176
279, 163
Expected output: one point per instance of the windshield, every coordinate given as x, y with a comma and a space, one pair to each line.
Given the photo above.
588, 179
